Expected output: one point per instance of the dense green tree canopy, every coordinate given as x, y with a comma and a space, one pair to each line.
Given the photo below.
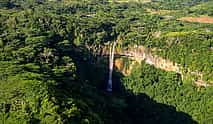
51, 71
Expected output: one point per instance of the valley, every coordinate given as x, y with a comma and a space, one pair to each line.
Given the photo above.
106, 62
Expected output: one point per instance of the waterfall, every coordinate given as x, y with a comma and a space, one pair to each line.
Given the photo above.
111, 62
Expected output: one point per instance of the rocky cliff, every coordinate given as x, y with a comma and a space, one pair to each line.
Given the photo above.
136, 54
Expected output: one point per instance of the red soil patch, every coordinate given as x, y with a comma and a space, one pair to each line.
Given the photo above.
202, 19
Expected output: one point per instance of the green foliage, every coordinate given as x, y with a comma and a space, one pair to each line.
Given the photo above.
178, 4
49, 74
167, 88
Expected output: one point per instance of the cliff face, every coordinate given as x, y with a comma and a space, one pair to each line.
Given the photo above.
124, 66
140, 53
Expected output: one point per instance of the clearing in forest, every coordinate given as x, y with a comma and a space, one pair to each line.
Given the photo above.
202, 19
126, 1
160, 12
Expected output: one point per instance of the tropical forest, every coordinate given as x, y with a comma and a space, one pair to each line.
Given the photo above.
106, 61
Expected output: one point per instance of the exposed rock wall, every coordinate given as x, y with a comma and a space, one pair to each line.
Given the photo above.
140, 53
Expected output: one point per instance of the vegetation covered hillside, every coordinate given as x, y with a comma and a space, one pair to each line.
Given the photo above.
54, 62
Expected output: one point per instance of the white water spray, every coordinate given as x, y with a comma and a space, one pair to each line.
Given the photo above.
111, 62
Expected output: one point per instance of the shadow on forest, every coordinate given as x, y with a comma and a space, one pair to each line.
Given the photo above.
122, 106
